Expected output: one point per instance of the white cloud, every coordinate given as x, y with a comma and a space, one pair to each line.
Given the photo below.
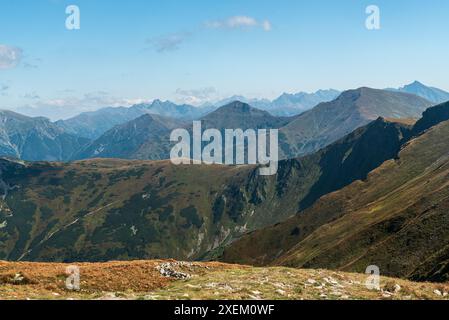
235, 22
173, 41
9, 56
196, 96
241, 21
170, 42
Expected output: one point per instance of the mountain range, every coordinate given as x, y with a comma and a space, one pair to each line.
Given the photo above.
301, 133
93, 124
298, 135
147, 139
377, 195
329, 121
286, 104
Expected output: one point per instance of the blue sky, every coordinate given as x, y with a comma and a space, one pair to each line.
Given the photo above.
198, 50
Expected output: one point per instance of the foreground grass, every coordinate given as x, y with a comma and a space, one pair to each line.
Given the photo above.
143, 280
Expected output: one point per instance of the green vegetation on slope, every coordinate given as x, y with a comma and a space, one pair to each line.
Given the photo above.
100, 210
395, 219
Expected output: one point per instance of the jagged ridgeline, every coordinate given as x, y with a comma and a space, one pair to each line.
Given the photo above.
142, 132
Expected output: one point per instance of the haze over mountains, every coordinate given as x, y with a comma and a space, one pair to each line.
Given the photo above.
93, 124
286, 104
301, 134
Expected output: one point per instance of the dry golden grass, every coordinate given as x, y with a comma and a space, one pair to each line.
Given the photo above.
47, 280
143, 280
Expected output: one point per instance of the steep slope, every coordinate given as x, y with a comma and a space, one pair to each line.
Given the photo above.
147, 137
432, 94
395, 219
431, 117
117, 209
112, 209
330, 121
35, 138
94, 124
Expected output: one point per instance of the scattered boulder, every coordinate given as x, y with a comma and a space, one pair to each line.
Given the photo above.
168, 270
438, 292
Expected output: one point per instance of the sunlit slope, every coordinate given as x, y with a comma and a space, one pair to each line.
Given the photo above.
396, 219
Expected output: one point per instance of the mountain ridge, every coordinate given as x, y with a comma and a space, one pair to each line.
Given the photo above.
393, 219
329, 121
35, 138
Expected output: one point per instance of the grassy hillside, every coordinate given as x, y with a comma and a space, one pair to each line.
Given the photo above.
192, 281
395, 219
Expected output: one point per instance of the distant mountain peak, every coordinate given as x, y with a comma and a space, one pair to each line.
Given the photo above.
432, 94
414, 85
416, 82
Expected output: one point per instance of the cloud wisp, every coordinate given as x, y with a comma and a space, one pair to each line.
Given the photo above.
70, 105
173, 41
239, 22
170, 42
3, 89
9, 56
